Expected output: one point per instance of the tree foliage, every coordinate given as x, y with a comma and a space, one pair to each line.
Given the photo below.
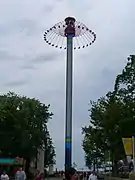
111, 118
23, 126
49, 153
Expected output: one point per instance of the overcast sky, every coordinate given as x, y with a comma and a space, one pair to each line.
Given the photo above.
30, 67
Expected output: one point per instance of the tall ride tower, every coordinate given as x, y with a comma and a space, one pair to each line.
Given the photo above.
69, 34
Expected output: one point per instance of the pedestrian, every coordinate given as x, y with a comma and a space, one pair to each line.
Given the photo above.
20, 174
39, 175
63, 175
93, 176
4, 176
71, 174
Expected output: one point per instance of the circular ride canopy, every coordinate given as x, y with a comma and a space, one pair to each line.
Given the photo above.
57, 35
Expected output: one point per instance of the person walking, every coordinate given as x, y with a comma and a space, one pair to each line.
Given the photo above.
93, 176
4, 176
71, 174
20, 174
39, 175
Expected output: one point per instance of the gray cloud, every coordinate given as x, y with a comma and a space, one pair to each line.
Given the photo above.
5, 55
28, 67
48, 8
16, 83
45, 58
28, 27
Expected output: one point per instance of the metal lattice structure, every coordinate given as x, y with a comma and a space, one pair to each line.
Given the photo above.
55, 36
69, 34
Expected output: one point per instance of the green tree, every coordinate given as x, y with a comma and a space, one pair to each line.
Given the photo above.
23, 125
103, 133
112, 117
49, 154
125, 91
93, 151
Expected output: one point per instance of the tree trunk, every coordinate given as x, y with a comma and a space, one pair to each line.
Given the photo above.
94, 165
27, 166
115, 168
